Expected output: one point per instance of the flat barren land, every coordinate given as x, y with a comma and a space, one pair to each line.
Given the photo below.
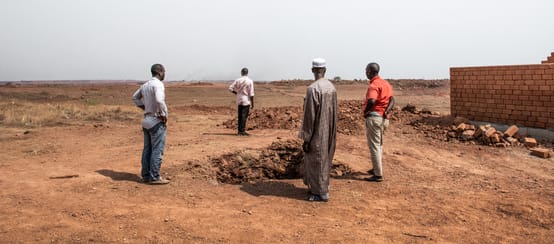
70, 164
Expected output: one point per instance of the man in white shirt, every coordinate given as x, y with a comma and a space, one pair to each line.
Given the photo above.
243, 87
150, 97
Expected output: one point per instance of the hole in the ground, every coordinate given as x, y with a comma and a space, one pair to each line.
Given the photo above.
281, 160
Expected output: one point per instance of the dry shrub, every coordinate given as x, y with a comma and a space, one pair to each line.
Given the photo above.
28, 114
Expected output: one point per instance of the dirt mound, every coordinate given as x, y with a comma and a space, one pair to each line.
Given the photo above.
350, 121
432, 126
281, 160
270, 118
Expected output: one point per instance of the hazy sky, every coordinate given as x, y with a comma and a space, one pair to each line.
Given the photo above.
209, 39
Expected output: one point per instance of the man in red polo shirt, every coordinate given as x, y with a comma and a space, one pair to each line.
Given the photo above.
377, 103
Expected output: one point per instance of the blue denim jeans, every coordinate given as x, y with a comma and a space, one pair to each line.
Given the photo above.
154, 143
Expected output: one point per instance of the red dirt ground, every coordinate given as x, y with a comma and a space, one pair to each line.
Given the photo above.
433, 190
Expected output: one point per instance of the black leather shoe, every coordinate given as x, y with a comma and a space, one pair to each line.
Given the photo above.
375, 178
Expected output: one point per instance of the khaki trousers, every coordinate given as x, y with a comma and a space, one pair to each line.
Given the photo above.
374, 131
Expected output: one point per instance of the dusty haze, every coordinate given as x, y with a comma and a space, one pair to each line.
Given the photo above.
212, 40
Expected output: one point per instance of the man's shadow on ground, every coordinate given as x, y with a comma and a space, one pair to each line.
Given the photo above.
275, 188
361, 176
119, 176
288, 190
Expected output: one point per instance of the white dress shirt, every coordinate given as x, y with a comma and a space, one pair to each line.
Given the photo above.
244, 87
151, 95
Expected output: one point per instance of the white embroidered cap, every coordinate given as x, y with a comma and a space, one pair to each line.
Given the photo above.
319, 63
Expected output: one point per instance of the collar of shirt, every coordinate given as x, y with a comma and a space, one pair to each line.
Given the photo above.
374, 78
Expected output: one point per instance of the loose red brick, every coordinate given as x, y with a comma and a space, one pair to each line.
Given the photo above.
529, 142
495, 138
511, 131
541, 152
490, 132
461, 127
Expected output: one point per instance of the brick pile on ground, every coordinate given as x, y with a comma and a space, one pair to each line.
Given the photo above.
281, 160
491, 136
461, 130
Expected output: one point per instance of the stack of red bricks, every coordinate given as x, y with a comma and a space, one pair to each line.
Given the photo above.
549, 60
488, 135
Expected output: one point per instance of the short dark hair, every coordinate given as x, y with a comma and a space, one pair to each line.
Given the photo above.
373, 68
156, 69
244, 71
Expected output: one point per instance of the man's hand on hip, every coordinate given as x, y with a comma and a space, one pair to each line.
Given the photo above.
163, 119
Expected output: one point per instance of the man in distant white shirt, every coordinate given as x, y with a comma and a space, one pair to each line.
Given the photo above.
150, 97
243, 87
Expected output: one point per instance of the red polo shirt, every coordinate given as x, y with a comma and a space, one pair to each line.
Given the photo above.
381, 91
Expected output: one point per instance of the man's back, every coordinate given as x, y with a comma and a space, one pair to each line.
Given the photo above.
244, 87
380, 90
153, 96
320, 120
324, 86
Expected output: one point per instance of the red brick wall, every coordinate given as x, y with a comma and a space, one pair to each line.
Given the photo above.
518, 94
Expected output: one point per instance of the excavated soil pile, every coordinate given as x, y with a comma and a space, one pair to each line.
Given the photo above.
270, 118
432, 126
350, 119
281, 160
